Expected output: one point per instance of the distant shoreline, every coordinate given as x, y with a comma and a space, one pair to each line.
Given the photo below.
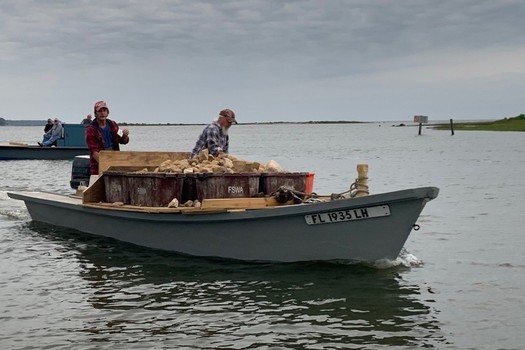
43, 122
251, 123
506, 124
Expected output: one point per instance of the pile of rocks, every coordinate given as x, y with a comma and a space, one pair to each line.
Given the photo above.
207, 163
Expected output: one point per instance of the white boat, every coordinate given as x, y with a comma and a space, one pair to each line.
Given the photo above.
367, 228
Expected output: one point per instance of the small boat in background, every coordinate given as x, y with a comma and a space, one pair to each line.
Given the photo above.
71, 144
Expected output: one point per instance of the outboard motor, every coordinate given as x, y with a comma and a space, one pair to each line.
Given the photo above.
80, 172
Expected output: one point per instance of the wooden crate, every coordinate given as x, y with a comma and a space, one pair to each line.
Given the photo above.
136, 159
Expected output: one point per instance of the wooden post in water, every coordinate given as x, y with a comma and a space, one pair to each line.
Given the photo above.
362, 180
451, 126
420, 124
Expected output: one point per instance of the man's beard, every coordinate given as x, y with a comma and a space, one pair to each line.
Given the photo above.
225, 130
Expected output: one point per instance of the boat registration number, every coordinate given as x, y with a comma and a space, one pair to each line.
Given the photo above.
347, 215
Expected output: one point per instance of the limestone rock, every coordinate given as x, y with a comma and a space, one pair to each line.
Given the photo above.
204, 162
174, 203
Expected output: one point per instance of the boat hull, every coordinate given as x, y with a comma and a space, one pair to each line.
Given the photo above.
9, 152
275, 234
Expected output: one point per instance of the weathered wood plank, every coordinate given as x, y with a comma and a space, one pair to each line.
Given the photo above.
134, 208
111, 206
136, 159
241, 203
96, 192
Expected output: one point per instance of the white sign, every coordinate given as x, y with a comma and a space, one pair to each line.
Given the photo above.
420, 119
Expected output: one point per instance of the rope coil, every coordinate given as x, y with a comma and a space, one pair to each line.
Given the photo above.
359, 188
285, 194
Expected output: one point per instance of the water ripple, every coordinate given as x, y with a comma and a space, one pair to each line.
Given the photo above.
75, 289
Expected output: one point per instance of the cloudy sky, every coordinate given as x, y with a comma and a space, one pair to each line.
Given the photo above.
182, 61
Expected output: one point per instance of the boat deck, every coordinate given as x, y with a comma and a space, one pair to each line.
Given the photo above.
208, 206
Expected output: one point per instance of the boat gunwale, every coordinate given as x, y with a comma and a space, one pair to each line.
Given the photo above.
424, 193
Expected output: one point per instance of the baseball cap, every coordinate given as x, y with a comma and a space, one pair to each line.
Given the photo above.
99, 105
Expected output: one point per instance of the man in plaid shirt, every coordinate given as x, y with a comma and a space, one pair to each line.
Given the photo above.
214, 137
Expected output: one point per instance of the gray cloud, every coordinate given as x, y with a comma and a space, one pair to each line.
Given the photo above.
254, 51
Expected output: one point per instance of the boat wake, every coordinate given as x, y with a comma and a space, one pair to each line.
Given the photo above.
405, 259
3, 196
12, 212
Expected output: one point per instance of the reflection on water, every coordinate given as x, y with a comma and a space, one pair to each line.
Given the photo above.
199, 303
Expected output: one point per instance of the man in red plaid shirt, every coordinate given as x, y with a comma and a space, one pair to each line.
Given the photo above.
103, 134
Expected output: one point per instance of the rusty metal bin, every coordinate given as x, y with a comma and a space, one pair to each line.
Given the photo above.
237, 185
154, 189
116, 186
270, 182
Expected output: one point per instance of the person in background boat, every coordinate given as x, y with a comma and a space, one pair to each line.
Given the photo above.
87, 120
52, 135
103, 134
49, 125
215, 137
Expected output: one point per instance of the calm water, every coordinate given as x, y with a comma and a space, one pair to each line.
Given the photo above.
459, 284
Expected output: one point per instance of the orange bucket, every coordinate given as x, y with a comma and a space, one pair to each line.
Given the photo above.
310, 183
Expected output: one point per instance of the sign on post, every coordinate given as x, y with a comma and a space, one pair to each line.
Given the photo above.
420, 119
